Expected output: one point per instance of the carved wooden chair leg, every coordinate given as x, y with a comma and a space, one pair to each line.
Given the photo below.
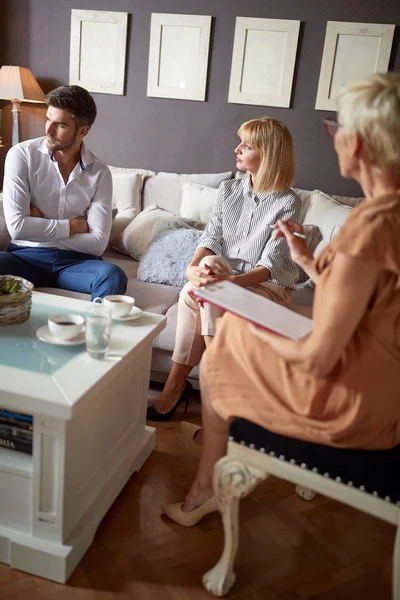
396, 566
305, 493
232, 481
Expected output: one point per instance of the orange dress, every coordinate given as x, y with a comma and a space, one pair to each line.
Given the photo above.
358, 404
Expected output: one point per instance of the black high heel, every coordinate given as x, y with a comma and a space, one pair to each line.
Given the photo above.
154, 415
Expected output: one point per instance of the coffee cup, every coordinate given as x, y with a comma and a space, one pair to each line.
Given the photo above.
118, 305
66, 326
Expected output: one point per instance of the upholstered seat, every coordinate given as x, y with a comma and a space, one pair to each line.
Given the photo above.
365, 479
371, 471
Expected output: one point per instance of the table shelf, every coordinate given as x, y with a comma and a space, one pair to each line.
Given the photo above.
15, 462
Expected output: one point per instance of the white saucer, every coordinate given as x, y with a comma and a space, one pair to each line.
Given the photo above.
44, 334
135, 313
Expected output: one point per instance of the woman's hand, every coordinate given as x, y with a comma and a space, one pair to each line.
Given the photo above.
199, 276
297, 246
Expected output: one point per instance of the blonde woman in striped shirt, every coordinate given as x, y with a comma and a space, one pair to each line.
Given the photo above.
237, 245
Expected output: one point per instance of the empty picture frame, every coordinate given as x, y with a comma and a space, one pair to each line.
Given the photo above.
263, 60
351, 52
178, 56
98, 50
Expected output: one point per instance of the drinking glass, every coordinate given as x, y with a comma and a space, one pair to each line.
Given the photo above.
98, 330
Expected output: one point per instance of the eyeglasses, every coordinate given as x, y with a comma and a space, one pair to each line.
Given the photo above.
331, 125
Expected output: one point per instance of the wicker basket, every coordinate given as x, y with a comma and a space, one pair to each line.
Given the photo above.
16, 308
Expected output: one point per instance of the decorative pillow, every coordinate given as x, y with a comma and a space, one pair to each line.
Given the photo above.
167, 257
127, 188
328, 214
305, 196
139, 233
197, 201
165, 189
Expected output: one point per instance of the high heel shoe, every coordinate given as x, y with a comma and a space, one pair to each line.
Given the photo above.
189, 430
154, 415
188, 519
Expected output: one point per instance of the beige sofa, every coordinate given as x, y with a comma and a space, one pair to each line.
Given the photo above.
143, 199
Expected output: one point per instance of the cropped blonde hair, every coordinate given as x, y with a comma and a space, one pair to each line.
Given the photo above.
371, 108
273, 139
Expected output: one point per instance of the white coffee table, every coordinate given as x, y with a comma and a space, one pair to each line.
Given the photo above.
90, 435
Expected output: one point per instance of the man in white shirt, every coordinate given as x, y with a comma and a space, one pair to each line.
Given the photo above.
57, 199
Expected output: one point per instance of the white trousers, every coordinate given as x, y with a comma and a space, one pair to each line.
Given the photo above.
195, 321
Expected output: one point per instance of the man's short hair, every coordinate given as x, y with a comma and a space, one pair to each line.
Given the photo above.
75, 100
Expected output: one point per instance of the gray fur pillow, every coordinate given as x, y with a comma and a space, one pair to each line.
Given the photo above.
167, 256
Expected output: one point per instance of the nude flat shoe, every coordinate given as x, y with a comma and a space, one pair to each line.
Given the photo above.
188, 519
187, 439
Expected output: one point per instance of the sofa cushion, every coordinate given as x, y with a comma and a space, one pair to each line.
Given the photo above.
305, 196
167, 256
197, 201
126, 200
139, 233
328, 214
152, 297
165, 189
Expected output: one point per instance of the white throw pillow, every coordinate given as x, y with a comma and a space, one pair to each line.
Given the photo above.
328, 214
139, 233
165, 189
127, 199
197, 201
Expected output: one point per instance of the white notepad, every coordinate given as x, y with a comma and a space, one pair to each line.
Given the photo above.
255, 308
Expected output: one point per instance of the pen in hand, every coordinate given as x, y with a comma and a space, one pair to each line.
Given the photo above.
299, 235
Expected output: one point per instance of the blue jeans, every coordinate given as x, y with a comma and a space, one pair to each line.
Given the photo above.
75, 271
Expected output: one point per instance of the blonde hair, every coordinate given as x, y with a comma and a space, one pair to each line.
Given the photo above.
273, 139
371, 108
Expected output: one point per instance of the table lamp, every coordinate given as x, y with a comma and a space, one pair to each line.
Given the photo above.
17, 84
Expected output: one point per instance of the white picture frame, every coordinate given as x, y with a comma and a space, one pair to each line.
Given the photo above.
178, 56
263, 61
351, 52
98, 50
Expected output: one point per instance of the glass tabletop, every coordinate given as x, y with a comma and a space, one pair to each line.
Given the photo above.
21, 349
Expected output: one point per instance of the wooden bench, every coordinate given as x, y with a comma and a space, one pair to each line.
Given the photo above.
364, 479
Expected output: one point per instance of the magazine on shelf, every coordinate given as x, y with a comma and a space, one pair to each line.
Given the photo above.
8, 414
255, 308
16, 432
16, 444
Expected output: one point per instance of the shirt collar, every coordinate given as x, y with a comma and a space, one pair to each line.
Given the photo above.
248, 190
250, 193
85, 159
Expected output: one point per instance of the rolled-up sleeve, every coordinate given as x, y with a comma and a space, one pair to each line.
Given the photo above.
212, 236
99, 217
275, 251
16, 200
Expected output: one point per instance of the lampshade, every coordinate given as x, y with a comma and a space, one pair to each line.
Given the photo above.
18, 83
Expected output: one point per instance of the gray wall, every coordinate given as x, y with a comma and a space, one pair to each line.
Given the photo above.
185, 136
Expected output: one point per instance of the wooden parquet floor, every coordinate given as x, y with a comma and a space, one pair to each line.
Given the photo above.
289, 549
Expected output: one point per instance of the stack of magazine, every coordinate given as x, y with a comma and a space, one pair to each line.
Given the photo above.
16, 431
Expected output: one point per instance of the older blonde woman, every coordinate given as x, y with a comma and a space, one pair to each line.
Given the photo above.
338, 386
237, 245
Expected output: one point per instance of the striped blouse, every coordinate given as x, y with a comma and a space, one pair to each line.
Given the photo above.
237, 229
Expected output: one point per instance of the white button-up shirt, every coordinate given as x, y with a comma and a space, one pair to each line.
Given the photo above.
32, 176
238, 229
